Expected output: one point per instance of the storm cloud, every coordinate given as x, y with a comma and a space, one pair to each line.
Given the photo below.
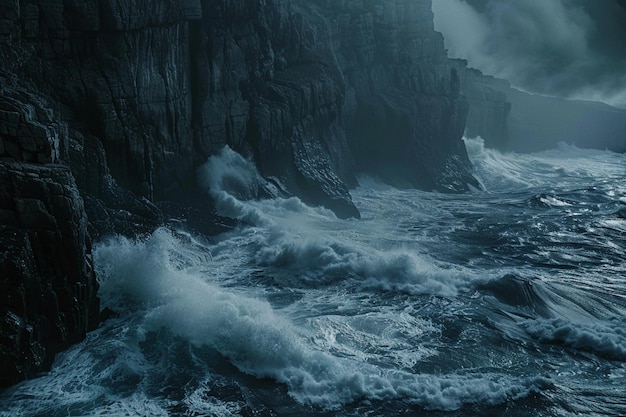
566, 48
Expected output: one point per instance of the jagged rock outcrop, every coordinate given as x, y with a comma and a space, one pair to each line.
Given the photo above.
107, 106
48, 284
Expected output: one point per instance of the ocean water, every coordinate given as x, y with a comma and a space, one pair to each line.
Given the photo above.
509, 300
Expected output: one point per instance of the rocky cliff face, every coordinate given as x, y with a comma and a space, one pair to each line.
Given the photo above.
490, 106
108, 106
365, 84
48, 285
513, 120
163, 85
48, 297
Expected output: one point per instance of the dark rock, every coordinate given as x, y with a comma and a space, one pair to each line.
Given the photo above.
129, 214
197, 215
48, 284
159, 91
317, 180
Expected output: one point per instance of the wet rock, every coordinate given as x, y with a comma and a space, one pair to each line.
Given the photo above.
318, 180
48, 284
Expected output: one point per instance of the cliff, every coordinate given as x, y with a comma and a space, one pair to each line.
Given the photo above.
489, 105
109, 106
513, 120
538, 122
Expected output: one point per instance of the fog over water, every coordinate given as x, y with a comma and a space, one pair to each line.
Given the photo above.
565, 48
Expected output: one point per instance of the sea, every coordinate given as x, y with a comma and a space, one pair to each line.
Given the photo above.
509, 300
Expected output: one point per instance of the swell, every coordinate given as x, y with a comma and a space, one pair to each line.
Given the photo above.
168, 297
571, 315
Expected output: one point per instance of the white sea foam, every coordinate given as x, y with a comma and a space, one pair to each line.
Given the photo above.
102, 376
313, 248
397, 339
231, 179
553, 201
324, 260
500, 171
230, 172
603, 337
202, 402
264, 343
494, 169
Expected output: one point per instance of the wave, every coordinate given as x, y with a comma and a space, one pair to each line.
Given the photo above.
413, 306
572, 315
604, 338
508, 171
495, 170
154, 277
231, 173
309, 247
315, 263
527, 294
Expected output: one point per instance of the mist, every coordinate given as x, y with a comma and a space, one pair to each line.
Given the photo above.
564, 48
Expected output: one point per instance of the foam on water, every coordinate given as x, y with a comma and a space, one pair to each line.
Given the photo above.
431, 301
319, 262
605, 338
101, 376
394, 339
566, 165
264, 343
495, 170
317, 249
230, 173
201, 401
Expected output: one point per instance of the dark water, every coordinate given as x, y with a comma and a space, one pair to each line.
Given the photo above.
509, 301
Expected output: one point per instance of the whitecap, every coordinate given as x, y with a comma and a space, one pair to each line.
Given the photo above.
262, 342
605, 338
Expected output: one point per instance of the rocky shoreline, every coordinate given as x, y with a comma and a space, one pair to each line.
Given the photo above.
108, 108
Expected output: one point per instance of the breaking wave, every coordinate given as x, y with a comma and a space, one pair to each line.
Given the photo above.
477, 304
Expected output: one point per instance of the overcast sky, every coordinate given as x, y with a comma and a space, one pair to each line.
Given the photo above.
567, 48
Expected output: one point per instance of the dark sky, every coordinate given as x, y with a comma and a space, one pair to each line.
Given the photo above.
567, 48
